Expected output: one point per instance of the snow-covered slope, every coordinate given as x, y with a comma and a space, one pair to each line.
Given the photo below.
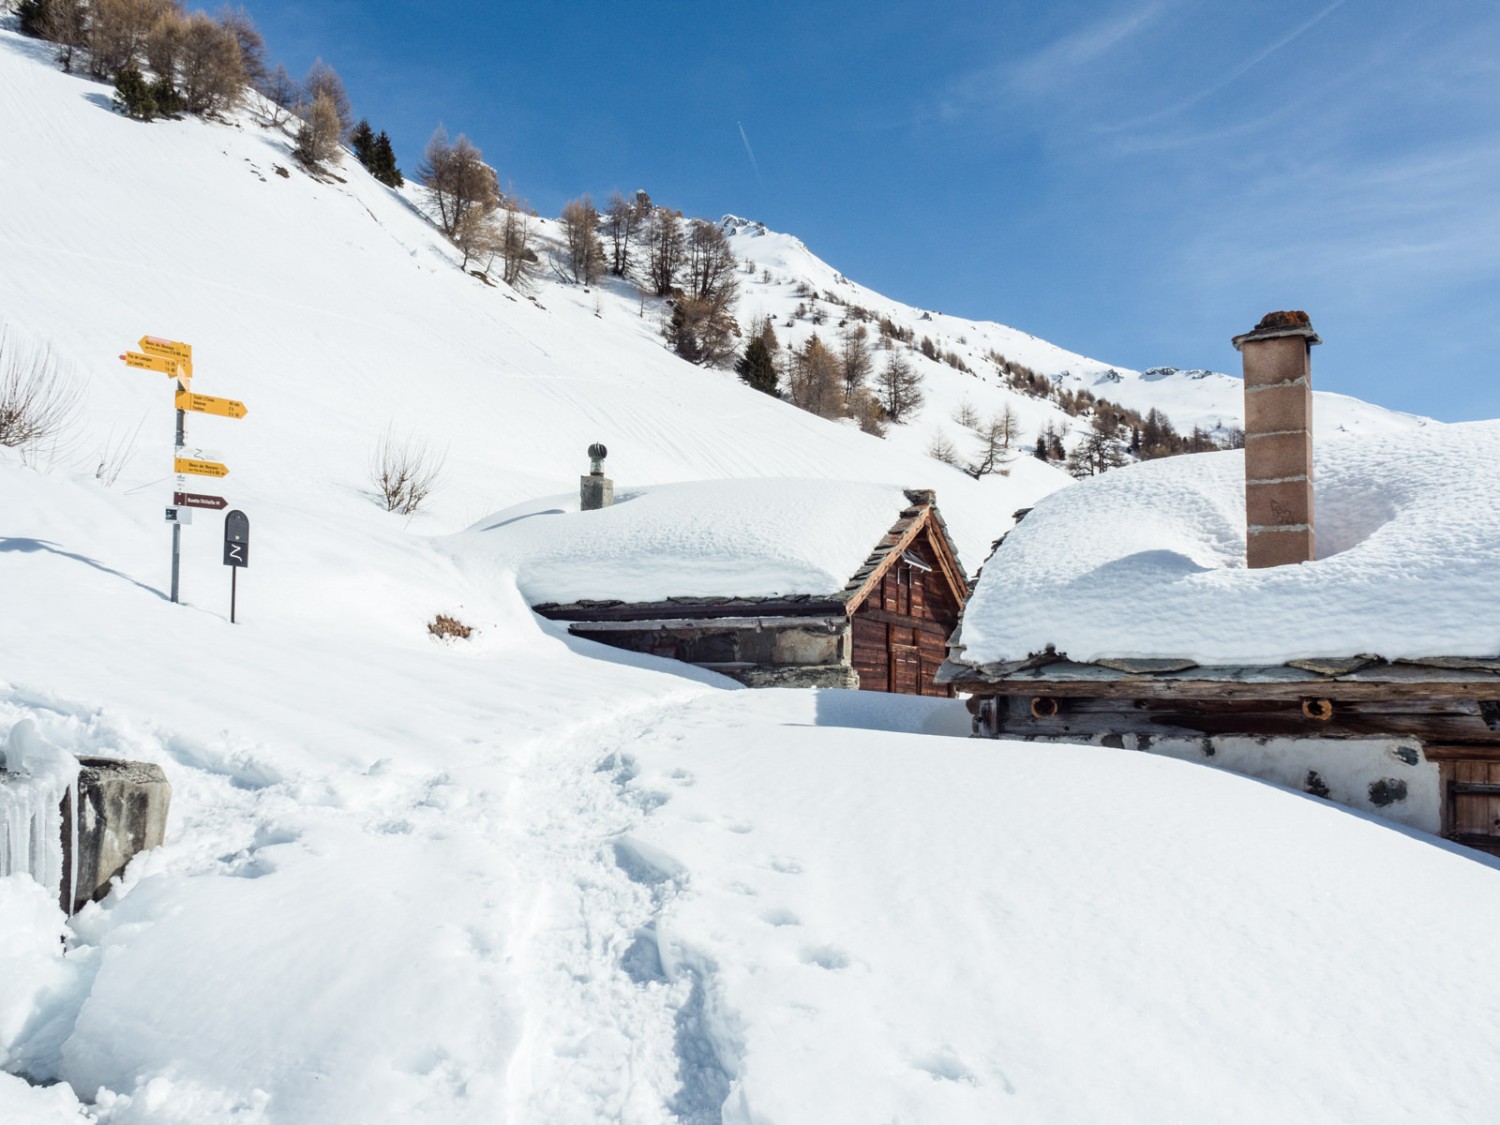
522, 878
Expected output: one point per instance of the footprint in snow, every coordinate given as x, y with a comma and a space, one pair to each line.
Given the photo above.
944, 1064
785, 866
829, 957
780, 916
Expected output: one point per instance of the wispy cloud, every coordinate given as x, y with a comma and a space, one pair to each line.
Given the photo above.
1058, 63
1052, 67
1234, 75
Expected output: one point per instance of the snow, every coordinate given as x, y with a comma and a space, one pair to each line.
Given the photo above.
526, 878
743, 538
1149, 561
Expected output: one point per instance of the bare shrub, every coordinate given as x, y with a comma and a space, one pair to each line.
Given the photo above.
942, 449
447, 628
115, 455
404, 471
38, 398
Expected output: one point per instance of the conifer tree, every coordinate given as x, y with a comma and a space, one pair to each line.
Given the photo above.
383, 165
362, 142
133, 96
757, 366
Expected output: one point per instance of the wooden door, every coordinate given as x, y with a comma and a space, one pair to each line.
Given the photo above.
1471, 802
906, 668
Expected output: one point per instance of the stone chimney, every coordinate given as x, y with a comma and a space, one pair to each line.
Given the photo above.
1278, 440
596, 490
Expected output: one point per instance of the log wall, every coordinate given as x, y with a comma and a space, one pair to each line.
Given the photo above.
901, 630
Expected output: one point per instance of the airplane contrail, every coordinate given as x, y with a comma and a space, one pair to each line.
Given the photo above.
750, 152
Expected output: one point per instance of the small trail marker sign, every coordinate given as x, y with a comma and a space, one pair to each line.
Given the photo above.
236, 552
198, 500
236, 539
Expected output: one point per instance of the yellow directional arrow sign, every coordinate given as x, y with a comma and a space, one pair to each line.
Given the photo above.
153, 363
170, 349
207, 404
199, 468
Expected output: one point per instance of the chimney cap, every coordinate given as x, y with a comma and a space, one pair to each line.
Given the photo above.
1289, 322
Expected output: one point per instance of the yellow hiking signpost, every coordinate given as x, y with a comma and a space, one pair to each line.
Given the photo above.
196, 468
161, 363
175, 358
207, 404
168, 349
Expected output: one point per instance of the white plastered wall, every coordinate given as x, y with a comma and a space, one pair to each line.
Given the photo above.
1366, 774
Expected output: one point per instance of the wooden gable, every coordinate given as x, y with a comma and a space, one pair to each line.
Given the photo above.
905, 610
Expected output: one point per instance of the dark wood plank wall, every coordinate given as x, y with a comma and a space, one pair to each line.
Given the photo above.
900, 633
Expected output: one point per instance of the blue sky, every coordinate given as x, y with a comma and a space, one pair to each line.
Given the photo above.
1137, 181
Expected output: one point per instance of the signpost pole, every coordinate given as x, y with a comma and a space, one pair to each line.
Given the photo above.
234, 573
180, 441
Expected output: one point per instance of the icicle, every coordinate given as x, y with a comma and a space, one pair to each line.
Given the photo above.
37, 778
71, 858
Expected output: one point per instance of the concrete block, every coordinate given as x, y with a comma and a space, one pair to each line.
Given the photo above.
122, 811
595, 492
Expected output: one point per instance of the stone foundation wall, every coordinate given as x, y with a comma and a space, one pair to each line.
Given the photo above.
784, 652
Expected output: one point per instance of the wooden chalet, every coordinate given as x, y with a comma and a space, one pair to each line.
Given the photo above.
1157, 559
886, 629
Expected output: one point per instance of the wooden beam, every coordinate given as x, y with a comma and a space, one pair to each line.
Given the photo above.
1447, 723
1188, 692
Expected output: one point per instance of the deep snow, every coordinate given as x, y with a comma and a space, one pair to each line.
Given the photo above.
525, 878
1149, 561
741, 538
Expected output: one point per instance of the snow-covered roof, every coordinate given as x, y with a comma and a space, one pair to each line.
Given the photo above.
1149, 562
724, 538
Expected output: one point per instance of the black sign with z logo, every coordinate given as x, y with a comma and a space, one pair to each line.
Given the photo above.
236, 539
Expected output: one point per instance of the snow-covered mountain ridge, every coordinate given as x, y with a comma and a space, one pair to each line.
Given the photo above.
1190, 398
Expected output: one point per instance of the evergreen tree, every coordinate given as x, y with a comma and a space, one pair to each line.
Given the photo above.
384, 162
1043, 444
375, 153
169, 102
362, 143
758, 367
33, 18
133, 95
